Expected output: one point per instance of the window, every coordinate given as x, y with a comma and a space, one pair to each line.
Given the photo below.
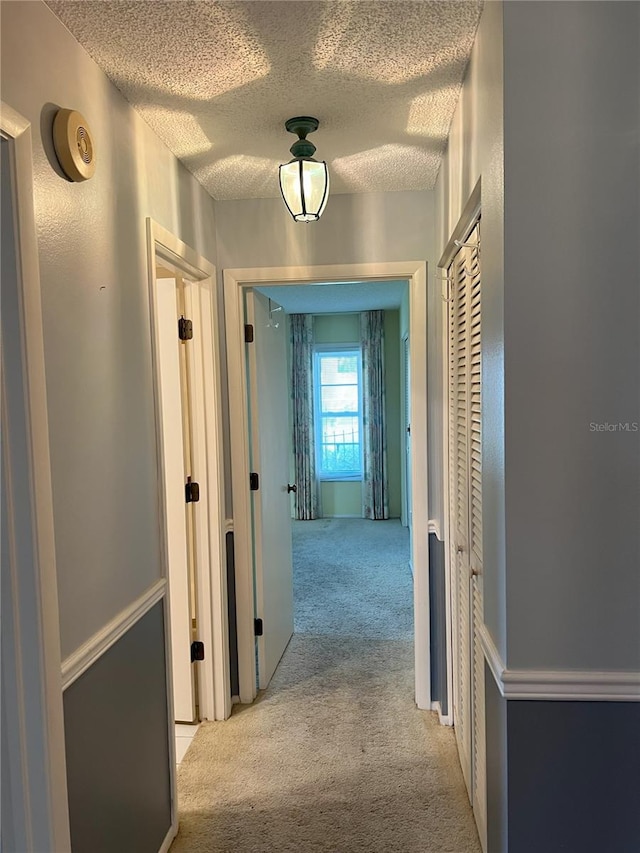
338, 412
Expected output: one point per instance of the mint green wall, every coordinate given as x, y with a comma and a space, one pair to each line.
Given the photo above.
336, 328
404, 314
346, 498
340, 499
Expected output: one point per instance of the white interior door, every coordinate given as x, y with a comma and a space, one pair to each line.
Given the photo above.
269, 405
406, 393
173, 444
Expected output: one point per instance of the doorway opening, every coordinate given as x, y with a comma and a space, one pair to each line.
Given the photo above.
246, 437
330, 392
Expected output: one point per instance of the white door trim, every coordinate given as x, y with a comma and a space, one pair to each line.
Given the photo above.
558, 685
78, 662
214, 693
36, 618
235, 280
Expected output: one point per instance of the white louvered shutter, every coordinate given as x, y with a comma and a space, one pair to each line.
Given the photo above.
459, 497
465, 443
475, 402
479, 760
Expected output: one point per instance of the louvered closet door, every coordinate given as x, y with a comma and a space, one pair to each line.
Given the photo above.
465, 441
459, 511
479, 763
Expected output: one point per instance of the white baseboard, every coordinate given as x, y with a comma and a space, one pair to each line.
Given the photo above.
568, 685
168, 841
443, 719
434, 527
79, 661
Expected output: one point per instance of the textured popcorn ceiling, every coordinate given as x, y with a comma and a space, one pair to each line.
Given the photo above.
336, 298
217, 80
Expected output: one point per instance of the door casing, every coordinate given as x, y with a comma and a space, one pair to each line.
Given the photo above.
39, 749
235, 283
214, 682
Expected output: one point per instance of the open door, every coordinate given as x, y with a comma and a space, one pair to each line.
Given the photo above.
269, 414
176, 429
406, 427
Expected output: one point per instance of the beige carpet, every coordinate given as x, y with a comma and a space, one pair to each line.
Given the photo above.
333, 757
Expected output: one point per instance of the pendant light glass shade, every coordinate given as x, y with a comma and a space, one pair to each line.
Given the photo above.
304, 182
305, 188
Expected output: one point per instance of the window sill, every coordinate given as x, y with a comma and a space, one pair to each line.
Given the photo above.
340, 479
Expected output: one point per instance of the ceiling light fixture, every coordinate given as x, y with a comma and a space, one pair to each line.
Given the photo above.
304, 182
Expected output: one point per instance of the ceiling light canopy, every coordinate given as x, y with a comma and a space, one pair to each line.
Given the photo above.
304, 182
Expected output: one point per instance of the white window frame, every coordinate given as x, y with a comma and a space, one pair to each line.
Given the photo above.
318, 351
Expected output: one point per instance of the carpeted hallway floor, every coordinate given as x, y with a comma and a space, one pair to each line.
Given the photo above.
333, 757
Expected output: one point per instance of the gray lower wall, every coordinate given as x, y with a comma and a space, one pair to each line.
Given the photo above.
232, 615
438, 636
118, 759
574, 777
562, 777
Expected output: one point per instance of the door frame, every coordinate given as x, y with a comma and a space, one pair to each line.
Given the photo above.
41, 749
214, 687
235, 283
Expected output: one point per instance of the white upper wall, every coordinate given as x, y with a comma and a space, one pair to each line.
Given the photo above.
475, 153
93, 268
572, 334
558, 160
370, 227
366, 228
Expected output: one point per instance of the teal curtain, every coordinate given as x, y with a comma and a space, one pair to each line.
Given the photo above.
306, 500
376, 488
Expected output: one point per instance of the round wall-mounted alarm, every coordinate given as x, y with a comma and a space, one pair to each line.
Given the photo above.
74, 145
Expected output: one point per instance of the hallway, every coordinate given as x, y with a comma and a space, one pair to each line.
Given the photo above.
333, 756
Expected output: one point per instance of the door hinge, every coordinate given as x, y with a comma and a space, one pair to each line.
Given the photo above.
197, 650
192, 492
258, 627
185, 329
248, 333
254, 481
